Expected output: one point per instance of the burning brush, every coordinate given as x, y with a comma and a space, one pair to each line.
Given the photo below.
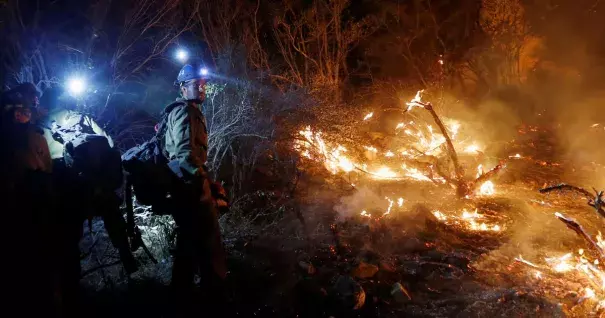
580, 267
594, 200
575, 266
469, 221
464, 188
420, 161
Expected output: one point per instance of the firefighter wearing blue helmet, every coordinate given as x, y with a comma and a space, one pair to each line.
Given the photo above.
199, 247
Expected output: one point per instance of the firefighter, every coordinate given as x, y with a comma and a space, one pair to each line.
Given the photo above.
199, 246
62, 126
27, 201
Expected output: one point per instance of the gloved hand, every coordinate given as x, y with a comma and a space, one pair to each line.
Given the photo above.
220, 196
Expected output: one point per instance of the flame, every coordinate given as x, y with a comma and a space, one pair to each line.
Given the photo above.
468, 220
421, 141
370, 148
440, 216
576, 266
487, 188
589, 293
472, 149
561, 264
479, 170
389, 208
333, 157
453, 127
414, 173
467, 215
600, 241
416, 101
384, 172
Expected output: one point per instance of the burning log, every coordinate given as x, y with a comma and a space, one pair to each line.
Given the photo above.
461, 185
464, 188
594, 200
576, 227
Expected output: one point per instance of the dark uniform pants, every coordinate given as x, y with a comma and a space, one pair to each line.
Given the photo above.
198, 248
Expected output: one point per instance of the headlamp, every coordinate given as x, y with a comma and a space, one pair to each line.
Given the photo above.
76, 86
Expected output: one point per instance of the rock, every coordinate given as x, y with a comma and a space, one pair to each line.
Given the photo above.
400, 294
387, 266
364, 270
310, 290
349, 292
413, 245
307, 268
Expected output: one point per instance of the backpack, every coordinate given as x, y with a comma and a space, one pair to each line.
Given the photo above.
94, 161
147, 168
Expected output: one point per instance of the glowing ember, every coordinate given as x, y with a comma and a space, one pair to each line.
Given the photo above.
400, 125
368, 116
389, 154
400, 202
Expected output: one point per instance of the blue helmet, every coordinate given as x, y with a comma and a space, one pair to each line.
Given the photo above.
191, 72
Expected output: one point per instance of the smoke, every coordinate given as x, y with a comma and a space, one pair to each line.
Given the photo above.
363, 199
580, 131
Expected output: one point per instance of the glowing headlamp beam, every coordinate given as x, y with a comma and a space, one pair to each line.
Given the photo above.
182, 55
76, 86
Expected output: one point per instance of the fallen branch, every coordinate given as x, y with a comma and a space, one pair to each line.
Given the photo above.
458, 170
576, 227
463, 187
564, 186
594, 200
